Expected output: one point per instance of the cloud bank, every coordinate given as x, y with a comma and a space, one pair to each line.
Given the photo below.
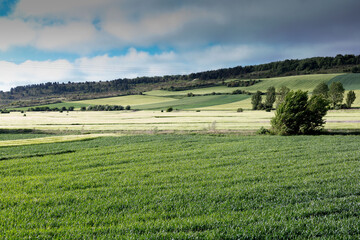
129, 38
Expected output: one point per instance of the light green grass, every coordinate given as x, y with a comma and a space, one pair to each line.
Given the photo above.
131, 100
151, 120
303, 82
194, 102
51, 139
350, 81
76, 105
182, 187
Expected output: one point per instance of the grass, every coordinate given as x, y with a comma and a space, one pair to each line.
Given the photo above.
182, 187
56, 105
155, 120
303, 82
350, 81
131, 100
194, 102
36, 139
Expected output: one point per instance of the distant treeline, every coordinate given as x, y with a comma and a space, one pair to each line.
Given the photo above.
48, 109
346, 63
105, 108
89, 108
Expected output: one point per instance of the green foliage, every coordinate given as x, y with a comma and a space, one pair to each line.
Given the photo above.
350, 98
270, 98
336, 93
321, 89
256, 101
240, 110
196, 187
263, 131
170, 109
283, 91
297, 115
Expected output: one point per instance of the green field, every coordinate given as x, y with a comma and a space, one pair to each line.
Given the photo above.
182, 187
195, 102
350, 81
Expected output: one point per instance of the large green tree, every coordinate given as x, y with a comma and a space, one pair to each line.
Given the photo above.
321, 89
256, 101
336, 93
298, 115
283, 91
350, 98
270, 98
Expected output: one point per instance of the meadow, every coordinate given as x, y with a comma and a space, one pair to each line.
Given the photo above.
154, 121
182, 187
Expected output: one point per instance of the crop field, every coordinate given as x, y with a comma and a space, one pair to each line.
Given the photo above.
131, 100
182, 187
350, 81
152, 121
195, 102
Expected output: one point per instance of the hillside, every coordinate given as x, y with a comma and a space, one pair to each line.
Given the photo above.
215, 98
197, 83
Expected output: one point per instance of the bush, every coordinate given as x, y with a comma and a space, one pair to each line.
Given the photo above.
170, 109
239, 110
262, 131
297, 115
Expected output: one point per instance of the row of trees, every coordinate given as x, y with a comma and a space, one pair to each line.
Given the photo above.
335, 94
297, 114
48, 109
105, 108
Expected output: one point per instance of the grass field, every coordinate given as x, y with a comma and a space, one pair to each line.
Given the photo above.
155, 120
182, 187
195, 102
350, 81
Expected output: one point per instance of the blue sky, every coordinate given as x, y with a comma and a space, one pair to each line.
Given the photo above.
92, 40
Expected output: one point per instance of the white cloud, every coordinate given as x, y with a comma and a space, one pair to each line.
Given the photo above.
31, 72
149, 28
15, 33
70, 37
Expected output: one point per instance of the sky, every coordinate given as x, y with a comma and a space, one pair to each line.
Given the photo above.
96, 40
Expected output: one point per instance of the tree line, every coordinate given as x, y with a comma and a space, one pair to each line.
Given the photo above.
296, 113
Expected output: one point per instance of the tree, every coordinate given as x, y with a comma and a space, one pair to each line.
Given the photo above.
256, 101
297, 115
350, 98
336, 93
322, 88
282, 94
270, 98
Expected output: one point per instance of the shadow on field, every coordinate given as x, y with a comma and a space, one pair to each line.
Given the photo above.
22, 131
342, 132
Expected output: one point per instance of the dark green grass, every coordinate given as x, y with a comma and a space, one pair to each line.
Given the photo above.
184, 187
350, 81
195, 102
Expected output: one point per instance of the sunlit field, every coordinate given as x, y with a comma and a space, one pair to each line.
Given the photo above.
157, 120
181, 186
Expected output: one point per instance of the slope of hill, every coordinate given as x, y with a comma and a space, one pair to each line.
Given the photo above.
53, 92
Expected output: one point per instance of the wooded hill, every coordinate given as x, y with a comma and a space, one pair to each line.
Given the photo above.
54, 92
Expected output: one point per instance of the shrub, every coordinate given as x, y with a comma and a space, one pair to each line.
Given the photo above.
262, 131
239, 110
127, 107
297, 115
170, 109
